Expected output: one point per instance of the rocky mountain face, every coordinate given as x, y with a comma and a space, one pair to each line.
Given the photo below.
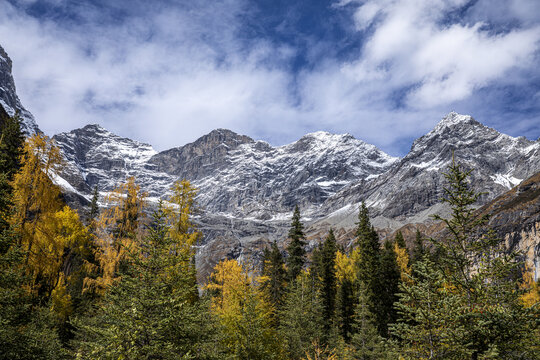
515, 216
248, 188
411, 189
9, 100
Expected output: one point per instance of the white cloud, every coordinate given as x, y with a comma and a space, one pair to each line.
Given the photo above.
168, 74
412, 45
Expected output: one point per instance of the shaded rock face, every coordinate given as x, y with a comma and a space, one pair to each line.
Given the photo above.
8, 96
515, 216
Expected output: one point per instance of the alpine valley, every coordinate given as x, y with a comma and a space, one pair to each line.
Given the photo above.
248, 188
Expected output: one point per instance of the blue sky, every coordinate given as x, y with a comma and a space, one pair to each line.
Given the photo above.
167, 72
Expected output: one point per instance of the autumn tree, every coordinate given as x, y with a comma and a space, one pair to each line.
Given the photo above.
150, 312
245, 314
119, 227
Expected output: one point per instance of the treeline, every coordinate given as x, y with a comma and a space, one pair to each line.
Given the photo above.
116, 283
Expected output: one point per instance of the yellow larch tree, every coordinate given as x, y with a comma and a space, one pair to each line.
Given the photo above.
244, 312
117, 231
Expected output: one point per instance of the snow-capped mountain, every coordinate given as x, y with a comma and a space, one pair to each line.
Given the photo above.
235, 175
410, 190
248, 188
9, 100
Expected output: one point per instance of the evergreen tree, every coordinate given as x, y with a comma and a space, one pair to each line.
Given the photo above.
274, 276
389, 281
366, 342
11, 146
419, 249
367, 243
150, 313
27, 330
468, 304
328, 279
399, 240
346, 295
301, 318
297, 253
93, 213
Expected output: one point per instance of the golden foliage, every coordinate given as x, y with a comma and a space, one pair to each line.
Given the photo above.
402, 259
117, 231
183, 231
532, 295
36, 197
345, 267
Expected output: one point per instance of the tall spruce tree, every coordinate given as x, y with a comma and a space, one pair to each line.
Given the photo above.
274, 276
366, 342
367, 243
467, 305
419, 248
297, 253
400, 240
328, 279
150, 313
11, 145
389, 286
302, 324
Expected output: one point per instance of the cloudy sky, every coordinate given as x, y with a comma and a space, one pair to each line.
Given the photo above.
166, 72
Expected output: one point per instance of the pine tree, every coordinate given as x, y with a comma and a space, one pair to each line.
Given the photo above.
419, 249
11, 146
389, 281
301, 318
274, 276
93, 213
345, 303
468, 304
328, 279
399, 240
150, 312
297, 253
369, 253
366, 341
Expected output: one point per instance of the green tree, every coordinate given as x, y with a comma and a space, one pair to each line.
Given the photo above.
150, 313
369, 254
467, 305
11, 145
389, 282
366, 342
328, 280
400, 240
297, 253
301, 318
419, 248
274, 275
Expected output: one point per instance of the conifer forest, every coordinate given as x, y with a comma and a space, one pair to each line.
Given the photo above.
119, 281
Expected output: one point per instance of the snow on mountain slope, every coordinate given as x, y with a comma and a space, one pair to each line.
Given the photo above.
235, 174
97, 157
414, 185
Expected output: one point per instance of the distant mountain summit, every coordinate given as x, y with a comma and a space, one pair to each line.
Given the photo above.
8, 96
411, 189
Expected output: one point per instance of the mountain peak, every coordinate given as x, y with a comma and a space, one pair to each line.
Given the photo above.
453, 118
9, 100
